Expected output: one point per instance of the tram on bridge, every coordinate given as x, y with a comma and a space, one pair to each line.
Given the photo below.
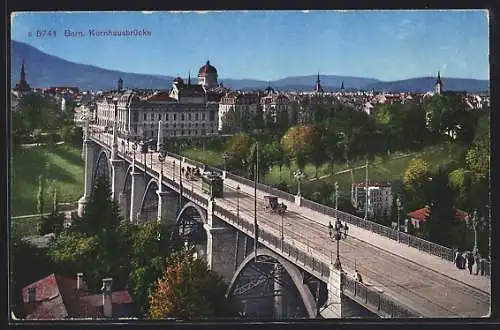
212, 184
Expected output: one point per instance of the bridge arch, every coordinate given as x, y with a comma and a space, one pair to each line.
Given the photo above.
149, 203
101, 167
294, 273
190, 205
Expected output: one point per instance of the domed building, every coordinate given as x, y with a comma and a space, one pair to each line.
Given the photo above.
207, 76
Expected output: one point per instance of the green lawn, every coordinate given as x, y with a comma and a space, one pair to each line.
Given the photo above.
389, 170
210, 157
65, 169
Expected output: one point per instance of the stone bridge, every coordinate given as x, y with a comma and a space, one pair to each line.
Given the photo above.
289, 271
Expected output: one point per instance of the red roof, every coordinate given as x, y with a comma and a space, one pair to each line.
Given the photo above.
423, 213
58, 298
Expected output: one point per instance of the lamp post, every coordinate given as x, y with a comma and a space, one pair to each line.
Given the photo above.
336, 185
238, 203
400, 207
282, 231
173, 172
340, 231
475, 222
134, 148
299, 176
161, 159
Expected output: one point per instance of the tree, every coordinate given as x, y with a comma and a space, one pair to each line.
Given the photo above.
440, 199
73, 253
478, 158
102, 214
297, 142
317, 149
238, 150
188, 289
150, 243
416, 172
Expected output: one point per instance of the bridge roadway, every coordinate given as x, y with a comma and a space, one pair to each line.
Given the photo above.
427, 284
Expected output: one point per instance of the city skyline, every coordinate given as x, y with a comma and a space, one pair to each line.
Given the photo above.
385, 45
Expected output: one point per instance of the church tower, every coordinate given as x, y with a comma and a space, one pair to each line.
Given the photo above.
22, 85
438, 88
317, 88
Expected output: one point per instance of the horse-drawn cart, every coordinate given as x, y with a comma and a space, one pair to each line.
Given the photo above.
271, 204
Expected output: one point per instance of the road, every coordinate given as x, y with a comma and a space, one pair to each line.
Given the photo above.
423, 287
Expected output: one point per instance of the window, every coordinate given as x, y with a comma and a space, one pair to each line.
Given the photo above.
182, 116
203, 116
175, 116
152, 117
212, 115
159, 116
196, 116
145, 118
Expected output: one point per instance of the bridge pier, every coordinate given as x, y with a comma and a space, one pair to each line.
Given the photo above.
167, 206
118, 176
137, 189
333, 306
279, 292
222, 244
89, 150
124, 206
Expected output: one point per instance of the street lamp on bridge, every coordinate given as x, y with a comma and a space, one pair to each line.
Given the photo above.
400, 208
161, 158
134, 148
299, 176
475, 222
238, 202
339, 232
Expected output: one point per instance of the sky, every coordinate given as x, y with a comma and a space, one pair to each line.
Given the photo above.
269, 45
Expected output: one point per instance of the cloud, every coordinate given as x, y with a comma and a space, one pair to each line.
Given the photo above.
148, 12
306, 11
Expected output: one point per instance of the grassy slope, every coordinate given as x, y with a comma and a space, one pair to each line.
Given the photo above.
65, 167
383, 171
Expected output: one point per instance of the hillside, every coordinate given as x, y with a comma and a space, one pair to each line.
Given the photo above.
44, 70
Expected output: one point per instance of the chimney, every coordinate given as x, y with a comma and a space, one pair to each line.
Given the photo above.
107, 304
32, 294
79, 279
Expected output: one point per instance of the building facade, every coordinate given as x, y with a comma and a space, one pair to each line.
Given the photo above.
185, 110
379, 198
243, 104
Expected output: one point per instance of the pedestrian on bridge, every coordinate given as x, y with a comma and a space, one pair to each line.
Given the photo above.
470, 262
330, 229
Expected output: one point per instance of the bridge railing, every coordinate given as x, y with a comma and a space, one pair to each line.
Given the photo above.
270, 190
413, 241
373, 299
316, 267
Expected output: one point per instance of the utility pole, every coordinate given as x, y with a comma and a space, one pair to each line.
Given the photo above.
255, 225
366, 190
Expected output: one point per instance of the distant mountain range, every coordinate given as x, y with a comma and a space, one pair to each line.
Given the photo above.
44, 70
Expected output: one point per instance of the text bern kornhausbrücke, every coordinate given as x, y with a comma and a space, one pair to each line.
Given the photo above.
108, 33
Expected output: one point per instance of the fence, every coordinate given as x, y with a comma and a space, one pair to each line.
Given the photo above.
374, 300
315, 266
413, 241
